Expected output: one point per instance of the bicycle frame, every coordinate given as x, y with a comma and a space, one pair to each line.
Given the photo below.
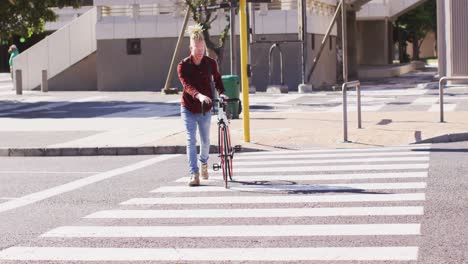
222, 117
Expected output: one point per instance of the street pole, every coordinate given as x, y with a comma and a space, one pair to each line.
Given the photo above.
233, 38
303, 37
244, 78
166, 89
344, 40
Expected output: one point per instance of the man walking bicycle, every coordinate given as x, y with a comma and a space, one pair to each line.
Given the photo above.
198, 74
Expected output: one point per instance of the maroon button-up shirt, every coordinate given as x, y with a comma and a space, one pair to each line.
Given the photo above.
197, 80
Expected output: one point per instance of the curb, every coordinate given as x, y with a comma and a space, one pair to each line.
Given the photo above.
159, 150
103, 151
445, 138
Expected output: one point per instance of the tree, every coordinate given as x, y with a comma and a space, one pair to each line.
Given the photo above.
205, 19
413, 26
27, 17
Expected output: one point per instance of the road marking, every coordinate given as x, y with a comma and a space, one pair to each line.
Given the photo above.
363, 99
360, 167
419, 148
42, 195
211, 254
447, 108
235, 230
49, 172
8, 198
325, 161
352, 108
316, 177
425, 100
288, 98
297, 188
254, 213
341, 198
333, 155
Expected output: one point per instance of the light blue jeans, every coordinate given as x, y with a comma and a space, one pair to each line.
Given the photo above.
191, 122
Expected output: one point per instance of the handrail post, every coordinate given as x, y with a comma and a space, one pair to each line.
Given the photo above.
358, 91
441, 92
344, 88
18, 82
441, 98
45, 82
345, 113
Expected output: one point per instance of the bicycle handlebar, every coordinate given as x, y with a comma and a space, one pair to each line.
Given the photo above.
227, 100
217, 100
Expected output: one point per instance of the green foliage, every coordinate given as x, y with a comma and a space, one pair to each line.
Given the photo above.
413, 26
27, 17
205, 19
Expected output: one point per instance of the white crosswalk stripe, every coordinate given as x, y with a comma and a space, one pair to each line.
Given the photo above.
319, 202
211, 254
252, 213
349, 198
299, 187
318, 177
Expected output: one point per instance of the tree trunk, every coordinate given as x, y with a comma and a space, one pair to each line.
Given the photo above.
415, 50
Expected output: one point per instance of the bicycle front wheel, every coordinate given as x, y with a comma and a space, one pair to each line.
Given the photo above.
229, 156
222, 154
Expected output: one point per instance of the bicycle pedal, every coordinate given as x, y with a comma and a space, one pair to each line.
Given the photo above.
237, 148
216, 167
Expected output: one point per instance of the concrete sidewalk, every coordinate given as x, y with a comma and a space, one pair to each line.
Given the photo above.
88, 123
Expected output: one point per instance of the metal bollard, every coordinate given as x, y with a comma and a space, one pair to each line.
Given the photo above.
345, 114
45, 82
358, 91
344, 88
441, 92
18, 82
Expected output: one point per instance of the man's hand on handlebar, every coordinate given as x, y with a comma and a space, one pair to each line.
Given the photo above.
224, 96
203, 98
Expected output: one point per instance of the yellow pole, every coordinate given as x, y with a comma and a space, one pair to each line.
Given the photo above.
244, 79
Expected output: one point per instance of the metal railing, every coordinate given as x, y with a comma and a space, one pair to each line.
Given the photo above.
138, 10
178, 6
345, 86
441, 92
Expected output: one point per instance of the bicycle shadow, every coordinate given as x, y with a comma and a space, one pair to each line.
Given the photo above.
292, 187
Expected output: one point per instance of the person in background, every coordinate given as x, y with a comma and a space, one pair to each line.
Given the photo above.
13, 50
198, 73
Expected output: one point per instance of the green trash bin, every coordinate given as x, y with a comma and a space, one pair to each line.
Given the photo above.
232, 90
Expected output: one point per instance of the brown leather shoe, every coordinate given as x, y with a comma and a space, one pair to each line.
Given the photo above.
204, 171
194, 180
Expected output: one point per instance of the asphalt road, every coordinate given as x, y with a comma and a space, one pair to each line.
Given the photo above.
403, 205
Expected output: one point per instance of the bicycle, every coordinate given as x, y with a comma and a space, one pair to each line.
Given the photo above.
225, 150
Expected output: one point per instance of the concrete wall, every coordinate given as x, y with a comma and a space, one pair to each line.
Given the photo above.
374, 42
118, 71
59, 51
453, 37
459, 37
79, 77
441, 43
